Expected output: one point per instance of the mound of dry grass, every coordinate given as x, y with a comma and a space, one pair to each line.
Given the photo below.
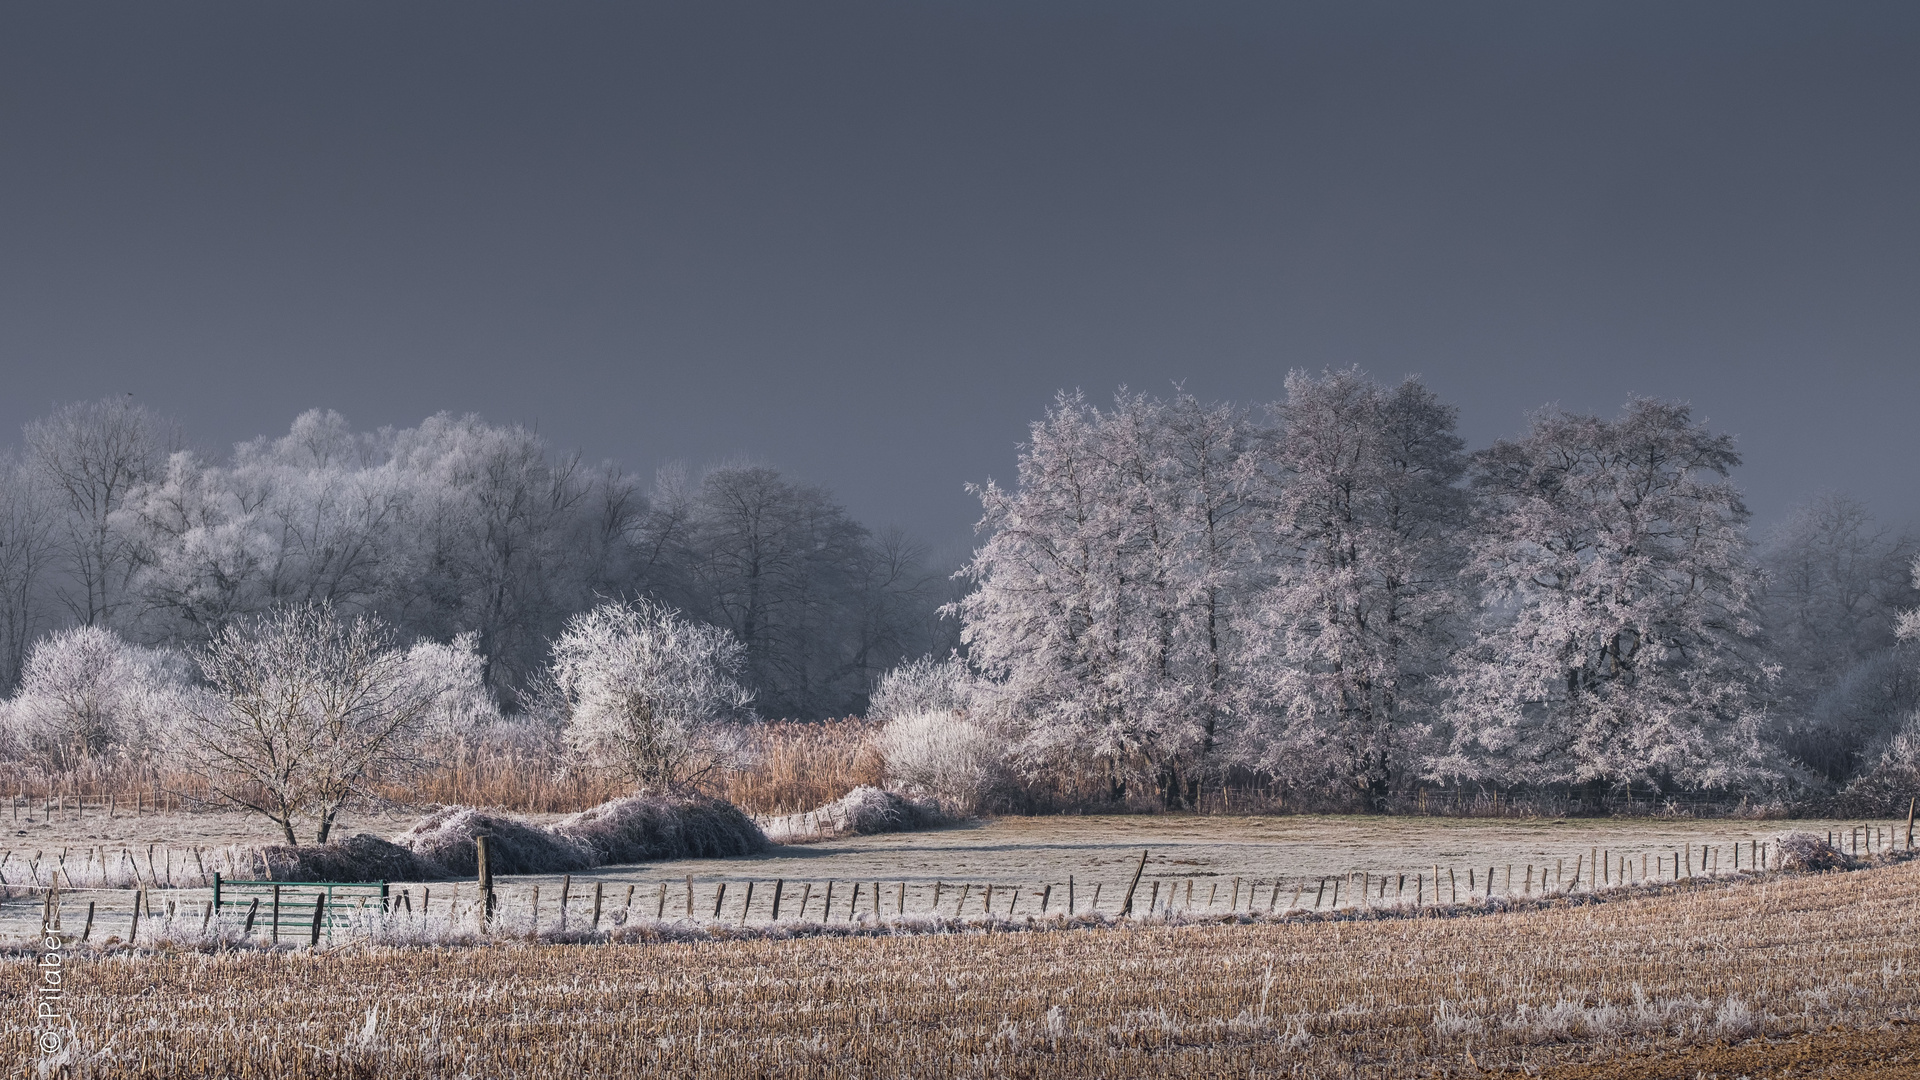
641, 828
645, 828
864, 811
364, 857
1807, 853
445, 840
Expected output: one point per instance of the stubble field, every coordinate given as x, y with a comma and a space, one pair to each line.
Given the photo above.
1740, 974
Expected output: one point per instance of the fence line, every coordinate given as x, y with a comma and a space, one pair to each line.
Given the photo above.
188, 913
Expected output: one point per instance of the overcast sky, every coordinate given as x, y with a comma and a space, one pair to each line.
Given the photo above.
866, 243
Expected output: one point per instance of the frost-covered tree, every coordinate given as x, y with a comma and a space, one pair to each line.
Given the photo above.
91, 456
1835, 583
1619, 637
27, 551
651, 697
1108, 589
1361, 616
452, 675
86, 695
937, 741
316, 516
308, 711
821, 605
451, 527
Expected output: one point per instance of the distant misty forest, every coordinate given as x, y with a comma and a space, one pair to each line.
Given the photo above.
456, 526
1328, 593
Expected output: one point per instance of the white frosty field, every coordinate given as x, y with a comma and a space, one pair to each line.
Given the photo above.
1023, 856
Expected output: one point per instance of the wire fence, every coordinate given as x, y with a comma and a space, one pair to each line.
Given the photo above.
308, 913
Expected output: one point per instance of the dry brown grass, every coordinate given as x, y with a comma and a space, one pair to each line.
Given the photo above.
1556, 986
790, 767
798, 767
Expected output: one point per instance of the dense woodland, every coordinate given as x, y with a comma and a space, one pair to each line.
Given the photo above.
1329, 594
453, 527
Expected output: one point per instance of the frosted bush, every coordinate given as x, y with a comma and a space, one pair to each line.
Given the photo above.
923, 685
649, 696
87, 694
945, 756
452, 675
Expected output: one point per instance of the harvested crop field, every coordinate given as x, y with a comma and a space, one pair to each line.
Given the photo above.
1714, 973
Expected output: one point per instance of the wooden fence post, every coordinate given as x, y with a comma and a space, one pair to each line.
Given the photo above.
1126, 905
319, 910
485, 880
778, 884
252, 910
596, 905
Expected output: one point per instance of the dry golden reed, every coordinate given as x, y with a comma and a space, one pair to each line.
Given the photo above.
788, 768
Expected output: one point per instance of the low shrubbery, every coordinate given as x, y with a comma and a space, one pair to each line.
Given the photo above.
640, 828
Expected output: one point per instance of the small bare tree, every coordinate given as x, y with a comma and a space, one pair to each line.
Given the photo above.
307, 711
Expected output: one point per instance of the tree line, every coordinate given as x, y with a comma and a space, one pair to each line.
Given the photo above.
1335, 594
453, 527
1331, 593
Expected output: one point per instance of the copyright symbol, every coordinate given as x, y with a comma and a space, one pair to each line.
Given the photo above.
50, 1041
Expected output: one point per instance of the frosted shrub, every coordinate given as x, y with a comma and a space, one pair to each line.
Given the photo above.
648, 696
86, 694
946, 756
923, 685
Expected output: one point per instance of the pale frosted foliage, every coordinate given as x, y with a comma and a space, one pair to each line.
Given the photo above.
308, 709
1835, 583
455, 525
1618, 639
452, 674
1107, 611
1360, 617
944, 755
1908, 623
649, 696
924, 685
86, 694
91, 458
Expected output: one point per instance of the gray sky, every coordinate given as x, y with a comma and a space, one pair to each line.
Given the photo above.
866, 242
